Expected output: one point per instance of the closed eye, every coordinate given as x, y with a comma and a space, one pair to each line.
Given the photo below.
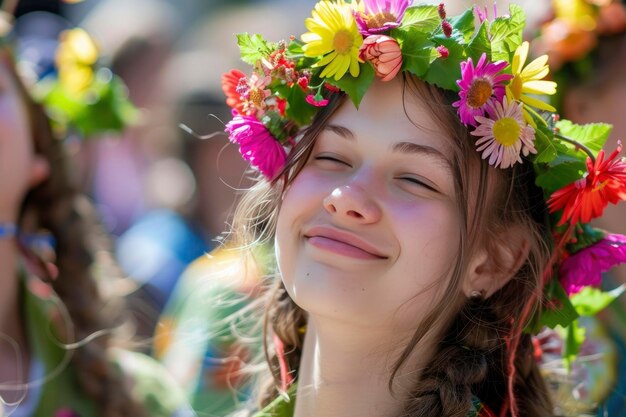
331, 159
418, 182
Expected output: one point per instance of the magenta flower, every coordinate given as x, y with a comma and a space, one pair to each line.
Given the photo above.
585, 267
380, 15
257, 145
316, 100
479, 85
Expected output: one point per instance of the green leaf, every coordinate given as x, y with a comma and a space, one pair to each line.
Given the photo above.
253, 47
546, 148
574, 338
506, 34
592, 135
558, 176
298, 109
355, 88
416, 50
561, 313
464, 24
445, 72
424, 18
479, 44
590, 301
584, 236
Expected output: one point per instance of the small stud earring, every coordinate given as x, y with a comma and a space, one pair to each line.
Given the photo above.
477, 295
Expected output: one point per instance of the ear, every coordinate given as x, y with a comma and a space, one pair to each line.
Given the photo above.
40, 170
497, 262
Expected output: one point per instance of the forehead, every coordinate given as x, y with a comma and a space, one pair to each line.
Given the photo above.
390, 112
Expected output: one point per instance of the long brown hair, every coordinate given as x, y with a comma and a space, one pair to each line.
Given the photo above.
473, 349
57, 206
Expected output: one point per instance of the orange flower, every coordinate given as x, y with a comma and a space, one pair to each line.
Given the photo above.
587, 198
230, 81
384, 54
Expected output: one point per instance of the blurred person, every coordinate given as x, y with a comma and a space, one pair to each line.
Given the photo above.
62, 332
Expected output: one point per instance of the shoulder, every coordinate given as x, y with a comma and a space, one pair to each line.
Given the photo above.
151, 384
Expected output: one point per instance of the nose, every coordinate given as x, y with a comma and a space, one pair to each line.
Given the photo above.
352, 203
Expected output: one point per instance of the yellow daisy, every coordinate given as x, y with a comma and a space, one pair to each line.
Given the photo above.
529, 80
333, 34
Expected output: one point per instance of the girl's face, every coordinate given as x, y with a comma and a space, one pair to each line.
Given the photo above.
19, 166
368, 231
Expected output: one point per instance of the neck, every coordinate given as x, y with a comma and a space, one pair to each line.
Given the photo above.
13, 361
346, 373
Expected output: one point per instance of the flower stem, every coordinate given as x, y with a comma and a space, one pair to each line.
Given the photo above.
578, 145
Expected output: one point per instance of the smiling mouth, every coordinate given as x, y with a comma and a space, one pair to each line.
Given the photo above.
341, 243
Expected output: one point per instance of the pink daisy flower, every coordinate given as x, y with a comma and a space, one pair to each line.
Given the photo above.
585, 267
504, 134
380, 15
479, 85
257, 145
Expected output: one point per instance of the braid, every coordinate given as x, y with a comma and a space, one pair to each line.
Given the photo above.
56, 205
463, 360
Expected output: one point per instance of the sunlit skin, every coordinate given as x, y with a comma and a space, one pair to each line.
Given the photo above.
20, 169
366, 237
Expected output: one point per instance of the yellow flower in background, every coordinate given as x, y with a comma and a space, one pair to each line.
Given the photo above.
579, 13
529, 80
75, 59
333, 34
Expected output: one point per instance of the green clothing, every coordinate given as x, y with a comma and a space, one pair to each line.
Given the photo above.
199, 335
60, 393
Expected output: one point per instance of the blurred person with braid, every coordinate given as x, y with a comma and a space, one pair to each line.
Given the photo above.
62, 332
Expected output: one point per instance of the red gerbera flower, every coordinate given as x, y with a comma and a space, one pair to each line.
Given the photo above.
587, 198
230, 80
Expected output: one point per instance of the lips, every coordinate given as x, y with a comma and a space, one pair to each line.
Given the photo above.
343, 243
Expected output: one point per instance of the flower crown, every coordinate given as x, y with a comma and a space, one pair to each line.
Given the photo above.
348, 45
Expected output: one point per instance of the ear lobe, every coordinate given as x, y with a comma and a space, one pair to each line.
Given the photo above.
40, 170
496, 263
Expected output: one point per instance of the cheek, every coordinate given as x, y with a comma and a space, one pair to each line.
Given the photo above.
301, 203
429, 249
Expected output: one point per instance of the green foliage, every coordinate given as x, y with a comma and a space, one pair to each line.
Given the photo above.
574, 338
464, 25
561, 311
479, 43
445, 72
416, 50
592, 135
590, 301
355, 88
506, 34
423, 18
104, 107
298, 109
253, 47
585, 236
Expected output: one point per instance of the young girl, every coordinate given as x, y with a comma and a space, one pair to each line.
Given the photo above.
60, 326
414, 250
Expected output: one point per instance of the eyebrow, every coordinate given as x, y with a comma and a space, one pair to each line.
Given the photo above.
402, 147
